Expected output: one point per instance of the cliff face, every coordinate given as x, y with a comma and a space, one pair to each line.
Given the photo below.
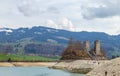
76, 50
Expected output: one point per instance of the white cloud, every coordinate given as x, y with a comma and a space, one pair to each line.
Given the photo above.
29, 7
101, 9
67, 24
87, 15
52, 24
118, 31
36, 8
64, 23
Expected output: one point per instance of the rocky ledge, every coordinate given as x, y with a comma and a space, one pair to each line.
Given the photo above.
79, 66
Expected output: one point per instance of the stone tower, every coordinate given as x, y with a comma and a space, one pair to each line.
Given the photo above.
97, 48
86, 46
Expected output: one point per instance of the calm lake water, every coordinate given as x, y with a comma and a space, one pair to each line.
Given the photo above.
34, 71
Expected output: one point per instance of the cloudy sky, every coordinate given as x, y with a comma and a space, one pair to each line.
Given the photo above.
74, 15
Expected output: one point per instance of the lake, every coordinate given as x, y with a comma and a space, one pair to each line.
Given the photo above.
34, 71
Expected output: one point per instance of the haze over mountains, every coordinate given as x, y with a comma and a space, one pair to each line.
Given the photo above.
39, 34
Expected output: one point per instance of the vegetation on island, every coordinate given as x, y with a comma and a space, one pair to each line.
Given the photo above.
77, 50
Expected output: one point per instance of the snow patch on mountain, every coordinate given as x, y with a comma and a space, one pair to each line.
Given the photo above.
22, 31
63, 38
5, 30
39, 33
51, 30
51, 41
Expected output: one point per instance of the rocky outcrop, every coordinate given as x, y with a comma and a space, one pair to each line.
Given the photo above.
111, 68
79, 66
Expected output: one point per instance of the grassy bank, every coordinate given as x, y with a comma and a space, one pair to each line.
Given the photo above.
25, 58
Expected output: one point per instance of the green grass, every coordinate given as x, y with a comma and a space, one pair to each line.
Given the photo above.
25, 58
19, 57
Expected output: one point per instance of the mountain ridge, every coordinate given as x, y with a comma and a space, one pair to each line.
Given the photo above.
46, 27
111, 43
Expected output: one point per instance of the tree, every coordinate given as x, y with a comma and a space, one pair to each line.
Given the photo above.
9, 60
74, 51
78, 45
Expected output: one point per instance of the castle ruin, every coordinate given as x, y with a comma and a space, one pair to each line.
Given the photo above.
76, 50
86, 45
97, 47
98, 52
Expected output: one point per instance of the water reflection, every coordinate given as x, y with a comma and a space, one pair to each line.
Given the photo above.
43, 74
76, 75
33, 71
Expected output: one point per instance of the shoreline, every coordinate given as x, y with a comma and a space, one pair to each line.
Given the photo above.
79, 66
75, 66
26, 64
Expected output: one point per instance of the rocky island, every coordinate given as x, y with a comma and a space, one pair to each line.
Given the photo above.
81, 58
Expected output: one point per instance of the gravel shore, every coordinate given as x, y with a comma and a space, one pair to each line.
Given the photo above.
25, 64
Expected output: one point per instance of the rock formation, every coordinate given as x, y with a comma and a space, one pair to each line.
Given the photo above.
111, 68
76, 50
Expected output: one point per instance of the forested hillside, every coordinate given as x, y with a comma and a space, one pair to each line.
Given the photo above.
49, 41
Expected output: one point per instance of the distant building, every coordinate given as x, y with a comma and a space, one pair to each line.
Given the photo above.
76, 50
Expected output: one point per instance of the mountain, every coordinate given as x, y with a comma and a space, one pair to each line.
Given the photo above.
56, 37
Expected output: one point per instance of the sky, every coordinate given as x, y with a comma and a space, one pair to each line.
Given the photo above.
72, 15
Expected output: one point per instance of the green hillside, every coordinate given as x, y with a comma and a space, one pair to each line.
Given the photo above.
26, 58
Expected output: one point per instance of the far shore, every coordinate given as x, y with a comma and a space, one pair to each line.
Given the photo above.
26, 64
